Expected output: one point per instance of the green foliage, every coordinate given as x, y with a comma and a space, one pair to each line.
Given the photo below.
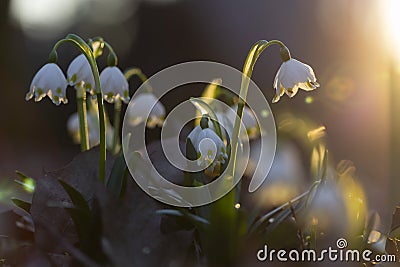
26, 206
117, 180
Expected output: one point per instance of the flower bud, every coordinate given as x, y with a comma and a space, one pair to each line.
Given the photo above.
285, 53
53, 56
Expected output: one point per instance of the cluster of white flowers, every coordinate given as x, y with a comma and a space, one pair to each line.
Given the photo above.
211, 150
50, 81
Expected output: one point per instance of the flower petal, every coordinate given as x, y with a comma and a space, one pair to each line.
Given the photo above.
114, 85
80, 71
50, 81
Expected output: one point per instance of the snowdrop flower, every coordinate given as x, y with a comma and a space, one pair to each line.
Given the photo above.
79, 71
139, 108
248, 118
93, 129
114, 85
210, 148
293, 75
50, 81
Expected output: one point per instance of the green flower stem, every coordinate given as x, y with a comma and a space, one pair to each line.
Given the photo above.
85, 50
81, 108
103, 149
117, 122
248, 66
112, 59
224, 219
138, 72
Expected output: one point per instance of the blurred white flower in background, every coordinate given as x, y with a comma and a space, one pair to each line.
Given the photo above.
139, 108
93, 127
50, 81
286, 179
328, 198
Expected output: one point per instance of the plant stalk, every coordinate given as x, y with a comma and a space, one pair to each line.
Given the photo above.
82, 113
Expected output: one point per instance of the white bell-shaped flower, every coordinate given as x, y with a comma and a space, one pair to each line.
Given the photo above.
79, 71
194, 134
210, 148
93, 129
73, 127
291, 76
140, 107
114, 85
50, 81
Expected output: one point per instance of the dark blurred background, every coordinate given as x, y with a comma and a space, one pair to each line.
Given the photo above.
346, 42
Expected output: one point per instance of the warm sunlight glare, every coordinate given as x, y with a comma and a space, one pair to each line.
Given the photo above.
391, 10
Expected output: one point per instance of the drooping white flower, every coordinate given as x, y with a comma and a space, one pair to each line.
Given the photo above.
210, 148
50, 81
79, 71
291, 76
93, 128
114, 85
73, 127
248, 118
141, 106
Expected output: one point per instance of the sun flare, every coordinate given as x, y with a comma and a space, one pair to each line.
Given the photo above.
390, 14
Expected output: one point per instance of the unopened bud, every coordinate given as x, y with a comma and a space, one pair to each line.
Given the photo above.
285, 54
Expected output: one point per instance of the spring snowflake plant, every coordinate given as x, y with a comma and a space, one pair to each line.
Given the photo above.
107, 210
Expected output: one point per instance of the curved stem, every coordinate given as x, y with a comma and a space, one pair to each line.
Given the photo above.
117, 122
85, 49
81, 109
138, 72
248, 66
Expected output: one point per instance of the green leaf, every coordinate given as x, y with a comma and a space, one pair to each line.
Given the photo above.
76, 197
192, 178
317, 161
80, 213
212, 89
22, 175
28, 184
206, 109
196, 220
26, 206
209, 94
190, 150
324, 165
118, 176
